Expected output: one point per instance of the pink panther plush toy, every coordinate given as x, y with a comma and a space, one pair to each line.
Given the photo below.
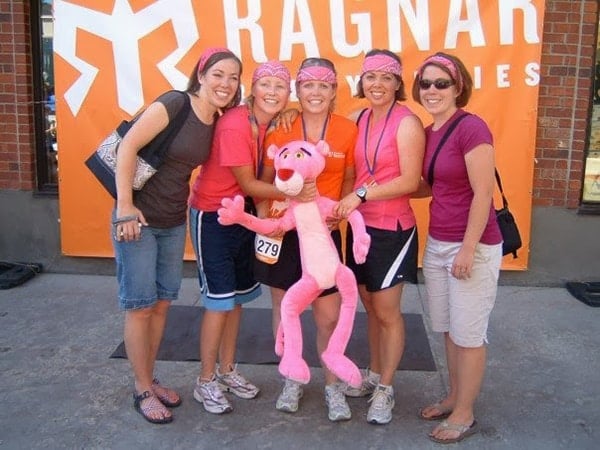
321, 266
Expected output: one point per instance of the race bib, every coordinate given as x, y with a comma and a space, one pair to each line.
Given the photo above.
267, 249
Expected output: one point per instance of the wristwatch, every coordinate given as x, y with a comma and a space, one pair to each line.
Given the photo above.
361, 192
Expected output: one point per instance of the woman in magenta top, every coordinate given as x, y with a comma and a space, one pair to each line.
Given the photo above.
463, 252
388, 159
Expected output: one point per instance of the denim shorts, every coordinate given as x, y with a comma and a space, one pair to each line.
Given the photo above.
151, 268
461, 307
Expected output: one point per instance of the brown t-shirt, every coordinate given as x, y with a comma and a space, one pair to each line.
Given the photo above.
163, 199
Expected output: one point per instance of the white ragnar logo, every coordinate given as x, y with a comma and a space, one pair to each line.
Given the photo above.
124, 29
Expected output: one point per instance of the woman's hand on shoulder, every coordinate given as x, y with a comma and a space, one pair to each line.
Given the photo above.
287, 118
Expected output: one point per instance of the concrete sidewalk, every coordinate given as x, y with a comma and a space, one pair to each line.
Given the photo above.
59, 388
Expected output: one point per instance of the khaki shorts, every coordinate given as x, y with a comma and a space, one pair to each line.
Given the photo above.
461, 307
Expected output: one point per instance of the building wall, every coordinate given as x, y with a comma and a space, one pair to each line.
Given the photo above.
29, 223
565, 97
568, 50
17, 149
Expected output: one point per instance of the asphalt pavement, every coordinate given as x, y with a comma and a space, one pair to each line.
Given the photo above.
60, 390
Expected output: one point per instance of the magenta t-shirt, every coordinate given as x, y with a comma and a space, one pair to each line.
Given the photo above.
452, 193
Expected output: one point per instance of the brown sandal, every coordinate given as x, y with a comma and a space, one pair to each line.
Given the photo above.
151, 405
168, 397
444, 412
464, 431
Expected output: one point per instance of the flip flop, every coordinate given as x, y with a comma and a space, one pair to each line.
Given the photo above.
464, 432
152, 404
444, 412
167, 397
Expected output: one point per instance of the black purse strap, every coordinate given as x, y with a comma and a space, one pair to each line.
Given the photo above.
499, 182
154, 153
439, 147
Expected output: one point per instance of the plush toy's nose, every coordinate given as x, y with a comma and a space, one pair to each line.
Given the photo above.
284, 174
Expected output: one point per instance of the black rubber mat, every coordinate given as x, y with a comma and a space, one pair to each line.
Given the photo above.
586, 292
15, 274
255, 342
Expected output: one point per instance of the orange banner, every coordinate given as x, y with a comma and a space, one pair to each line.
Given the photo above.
113, 57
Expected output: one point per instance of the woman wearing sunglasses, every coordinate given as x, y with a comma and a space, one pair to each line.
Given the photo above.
463, 252
316, 86
388, 158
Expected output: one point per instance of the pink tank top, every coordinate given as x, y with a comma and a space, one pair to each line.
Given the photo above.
376, 157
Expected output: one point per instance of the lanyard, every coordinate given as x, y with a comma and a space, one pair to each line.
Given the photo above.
371, 167
304, 135
258, 153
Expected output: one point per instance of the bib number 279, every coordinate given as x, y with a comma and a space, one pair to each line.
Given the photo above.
267, 249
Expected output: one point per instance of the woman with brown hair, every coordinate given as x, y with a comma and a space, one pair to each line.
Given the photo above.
388, 158
149, 227
463, 252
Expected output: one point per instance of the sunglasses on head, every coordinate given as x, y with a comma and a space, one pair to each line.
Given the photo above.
317, 62
440, 84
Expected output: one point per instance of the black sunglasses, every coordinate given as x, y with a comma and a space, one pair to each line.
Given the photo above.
317, 62
440, 84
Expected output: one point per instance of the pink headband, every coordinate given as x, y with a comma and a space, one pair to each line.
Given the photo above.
271, 69
316, 73
207, 54
441, 61
381, 63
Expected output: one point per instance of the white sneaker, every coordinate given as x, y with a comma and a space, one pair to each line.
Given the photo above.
337, 406
382, 403
290, 396
210, 395
237, 384
369, 383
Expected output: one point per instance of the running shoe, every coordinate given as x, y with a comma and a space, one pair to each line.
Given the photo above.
237, 384
337, 406
369, 383
382, 403
290, 396
209, 393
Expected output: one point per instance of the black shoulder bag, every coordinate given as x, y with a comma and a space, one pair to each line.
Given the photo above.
103, 162
511, 238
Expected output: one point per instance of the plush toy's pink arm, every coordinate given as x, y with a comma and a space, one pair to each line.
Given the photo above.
325, 206
362, 240
233, 212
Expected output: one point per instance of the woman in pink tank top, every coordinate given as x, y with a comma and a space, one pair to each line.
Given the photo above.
388, 158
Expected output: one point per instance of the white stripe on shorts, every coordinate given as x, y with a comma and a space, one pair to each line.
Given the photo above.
391, 274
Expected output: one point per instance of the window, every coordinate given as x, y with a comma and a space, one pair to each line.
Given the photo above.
42, 35
591, 180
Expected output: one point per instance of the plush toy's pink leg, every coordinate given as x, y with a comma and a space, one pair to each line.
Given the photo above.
296, 299
333, 356
279, 341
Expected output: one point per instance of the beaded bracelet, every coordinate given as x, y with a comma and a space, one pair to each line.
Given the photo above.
124, 219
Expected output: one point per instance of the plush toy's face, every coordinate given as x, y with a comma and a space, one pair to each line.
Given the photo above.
296, 162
